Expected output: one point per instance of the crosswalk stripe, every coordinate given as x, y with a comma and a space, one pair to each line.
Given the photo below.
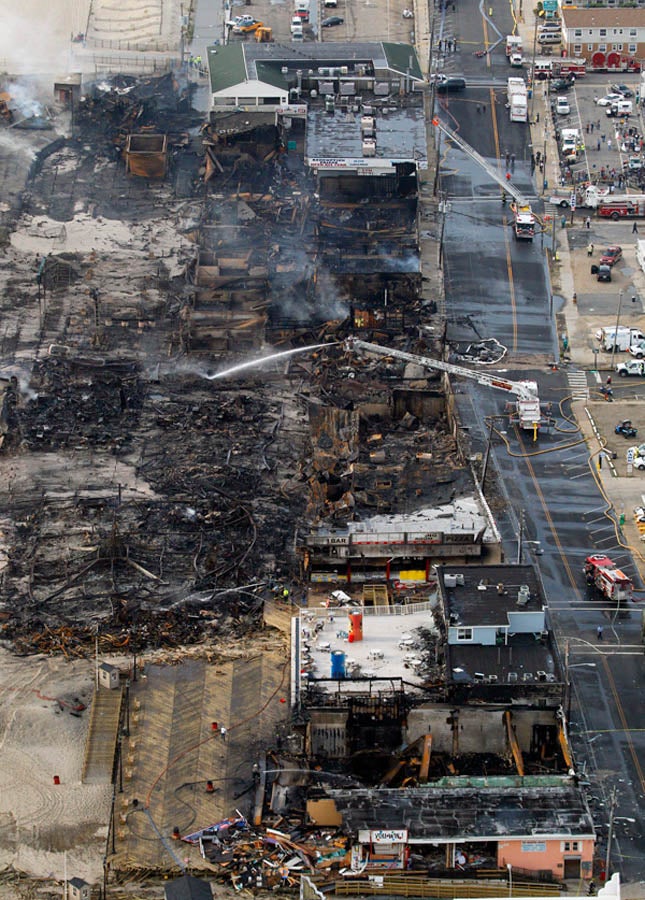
578, 385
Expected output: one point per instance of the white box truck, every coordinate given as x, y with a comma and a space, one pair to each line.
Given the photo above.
622, 337
517, 100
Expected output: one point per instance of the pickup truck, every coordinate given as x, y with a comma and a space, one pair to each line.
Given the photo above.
631, 367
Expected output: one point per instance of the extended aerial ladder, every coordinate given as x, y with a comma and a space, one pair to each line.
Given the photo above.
523, 216
526, 411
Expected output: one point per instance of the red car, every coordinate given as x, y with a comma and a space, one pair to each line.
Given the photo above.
611, 256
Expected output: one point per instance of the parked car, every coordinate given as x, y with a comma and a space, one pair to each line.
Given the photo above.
562, 106
609, 99
626, 428
623, 90
330, 21
637, 350
561, 84
604, 273
611, 256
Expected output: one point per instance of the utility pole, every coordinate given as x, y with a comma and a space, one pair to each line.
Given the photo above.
613, 349
487, 454
519, 538
610, 832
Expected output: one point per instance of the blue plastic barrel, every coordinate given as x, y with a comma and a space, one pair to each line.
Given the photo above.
337, 664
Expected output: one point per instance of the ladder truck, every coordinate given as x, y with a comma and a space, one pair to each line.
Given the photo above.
611, 582
526, 410
524, 219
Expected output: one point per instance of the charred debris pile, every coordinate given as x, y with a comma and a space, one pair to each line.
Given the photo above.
136, 486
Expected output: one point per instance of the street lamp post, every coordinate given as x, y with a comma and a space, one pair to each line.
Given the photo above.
610, 833
613, 349
510, 879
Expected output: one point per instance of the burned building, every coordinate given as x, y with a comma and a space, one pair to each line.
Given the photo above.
398, 548
541, 828
355, 115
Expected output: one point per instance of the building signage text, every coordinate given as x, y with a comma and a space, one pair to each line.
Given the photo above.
389, 836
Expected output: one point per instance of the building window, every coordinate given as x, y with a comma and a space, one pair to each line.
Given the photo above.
603, 32
633, 33
577, 32
618, 47
570, 846
602, 48
589, 48
631, 48
464, 634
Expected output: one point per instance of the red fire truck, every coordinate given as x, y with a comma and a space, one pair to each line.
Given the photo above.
602, 573
630, 205
570, 66
613, 62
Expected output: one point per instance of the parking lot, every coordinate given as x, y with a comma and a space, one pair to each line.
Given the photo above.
368, 20
606, 151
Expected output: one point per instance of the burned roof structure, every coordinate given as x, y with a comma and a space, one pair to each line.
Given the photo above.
478, 810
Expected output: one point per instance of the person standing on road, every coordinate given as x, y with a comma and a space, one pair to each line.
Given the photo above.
587, 223
635, 228
609, 143
599, 631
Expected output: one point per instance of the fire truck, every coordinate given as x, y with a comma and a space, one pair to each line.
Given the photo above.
630, 205
613, 62
526, 410
602, 573
569, 66
524, 219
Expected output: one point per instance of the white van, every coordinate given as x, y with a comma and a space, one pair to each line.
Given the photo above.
550, 37
296, 25
549, 26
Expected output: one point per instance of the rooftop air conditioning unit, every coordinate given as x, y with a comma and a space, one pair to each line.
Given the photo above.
344, 70
284, 70
479, 676
527, 676
369, 147
367, 130
512, 677
325, 72
492, 678
541, 676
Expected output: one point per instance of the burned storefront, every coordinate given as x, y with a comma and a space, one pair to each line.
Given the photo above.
354, 115
540, 827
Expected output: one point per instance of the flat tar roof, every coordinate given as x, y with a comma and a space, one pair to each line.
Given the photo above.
400, 134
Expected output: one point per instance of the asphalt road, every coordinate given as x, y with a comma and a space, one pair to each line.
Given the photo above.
498, 288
